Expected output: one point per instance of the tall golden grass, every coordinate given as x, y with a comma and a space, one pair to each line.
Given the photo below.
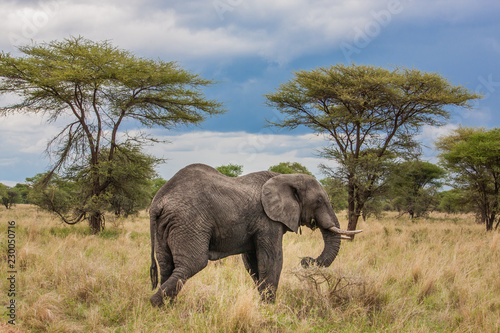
439, 274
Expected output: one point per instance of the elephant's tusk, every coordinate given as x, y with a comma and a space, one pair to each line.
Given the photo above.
344, 232
345, 237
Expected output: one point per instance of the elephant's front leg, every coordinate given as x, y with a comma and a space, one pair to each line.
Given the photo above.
269, 264
250, 262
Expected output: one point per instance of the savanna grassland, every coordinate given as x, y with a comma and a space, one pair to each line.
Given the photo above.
440, 274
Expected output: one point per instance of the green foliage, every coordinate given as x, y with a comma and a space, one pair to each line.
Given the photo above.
156, 184
9, 196
59, 194
472, 155
23, 191
413, 187
365, 182
336, 191
289, 168
97, 87
3, 193
53, 77
132, 186
369, 114
453, 201
231, 170
12, 198
131, 180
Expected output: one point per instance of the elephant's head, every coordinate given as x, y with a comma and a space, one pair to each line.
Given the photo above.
298, 199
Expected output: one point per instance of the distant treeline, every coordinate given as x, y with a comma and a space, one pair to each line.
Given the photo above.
414, 188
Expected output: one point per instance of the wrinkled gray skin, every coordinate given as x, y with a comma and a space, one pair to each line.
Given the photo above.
201, 215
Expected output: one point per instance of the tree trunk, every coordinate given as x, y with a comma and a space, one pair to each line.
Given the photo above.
96, 220
351, 204
490, 221
96, 223
353, 221
354, 207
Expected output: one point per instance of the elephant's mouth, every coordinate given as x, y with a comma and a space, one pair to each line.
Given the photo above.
311, 224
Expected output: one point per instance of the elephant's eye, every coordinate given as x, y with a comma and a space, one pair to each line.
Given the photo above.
314, 225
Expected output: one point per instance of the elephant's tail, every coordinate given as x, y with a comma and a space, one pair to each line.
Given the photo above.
153, 271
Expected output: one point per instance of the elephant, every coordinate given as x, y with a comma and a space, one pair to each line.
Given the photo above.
201, 215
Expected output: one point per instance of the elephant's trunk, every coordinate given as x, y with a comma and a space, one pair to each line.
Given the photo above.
330, 251
331, 239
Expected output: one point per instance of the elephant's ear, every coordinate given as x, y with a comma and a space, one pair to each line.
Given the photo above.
280, 201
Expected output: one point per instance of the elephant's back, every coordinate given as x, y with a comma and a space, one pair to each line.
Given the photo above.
200, 182
256, 178
189, 180
195, 178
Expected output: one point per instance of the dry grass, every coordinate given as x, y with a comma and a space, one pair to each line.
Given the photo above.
438, 274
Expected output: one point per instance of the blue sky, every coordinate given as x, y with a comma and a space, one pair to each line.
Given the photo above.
250, 47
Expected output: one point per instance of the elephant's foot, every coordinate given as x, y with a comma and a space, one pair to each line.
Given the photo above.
157, 299
268, 298
307, 262
268, 294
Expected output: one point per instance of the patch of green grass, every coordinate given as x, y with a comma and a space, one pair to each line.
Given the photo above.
111, 233
80, 230
64, 231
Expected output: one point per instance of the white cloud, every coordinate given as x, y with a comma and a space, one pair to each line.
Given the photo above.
24, 139
9, 161
255, 152
25, 134
9, 183
276, 30
430, 134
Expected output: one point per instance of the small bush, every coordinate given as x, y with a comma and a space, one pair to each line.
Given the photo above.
338, 288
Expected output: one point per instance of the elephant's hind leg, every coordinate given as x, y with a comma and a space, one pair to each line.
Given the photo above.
165, 261
188, 259
174, 283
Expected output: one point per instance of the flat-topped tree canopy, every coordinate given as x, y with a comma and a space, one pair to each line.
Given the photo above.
96, 87
370, 114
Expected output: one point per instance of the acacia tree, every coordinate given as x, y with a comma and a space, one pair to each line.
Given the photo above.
289, 168
369, 114
231, 170
56, 194
130, 181
8, 196
413, 186
97, 88
336, 191
472, 155
369, 191
132, 185
453, 201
